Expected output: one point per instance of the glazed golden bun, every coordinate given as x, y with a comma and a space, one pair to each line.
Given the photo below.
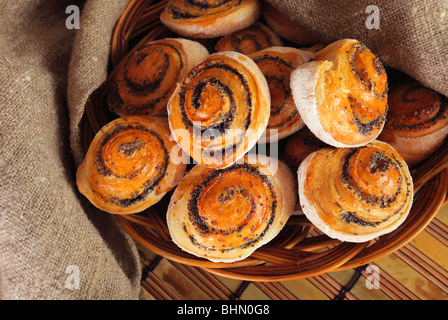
300, 145
220, 109
342, 94
147, 77
286, 28
209, 19
128, 166
277, 63
417, 121
251, 39
225, 215
355, 194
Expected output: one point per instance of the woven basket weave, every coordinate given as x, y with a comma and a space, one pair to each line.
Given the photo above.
300, 250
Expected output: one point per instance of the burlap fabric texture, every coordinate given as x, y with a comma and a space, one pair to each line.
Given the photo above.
412, 35
53, 243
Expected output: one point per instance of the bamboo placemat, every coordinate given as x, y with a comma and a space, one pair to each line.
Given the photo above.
417, 271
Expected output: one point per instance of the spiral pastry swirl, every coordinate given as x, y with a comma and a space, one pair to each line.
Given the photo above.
128, 166
356, 194
342, 95
417, 121
300, 145
249, 40
220, 109
277, 63
225, 215
209, 18
146, 79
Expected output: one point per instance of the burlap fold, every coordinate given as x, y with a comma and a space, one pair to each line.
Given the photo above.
53, 244
408, 35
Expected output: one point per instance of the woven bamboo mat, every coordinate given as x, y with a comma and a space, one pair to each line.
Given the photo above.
418, 271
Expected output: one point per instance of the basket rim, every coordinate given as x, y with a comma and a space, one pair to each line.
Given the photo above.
357, 255
430, 183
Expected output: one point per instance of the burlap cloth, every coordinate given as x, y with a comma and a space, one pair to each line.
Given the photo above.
53, 243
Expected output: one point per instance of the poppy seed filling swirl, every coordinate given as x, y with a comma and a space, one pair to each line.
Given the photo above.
214, 225
194, 9
223, 89
128, 149
379, 164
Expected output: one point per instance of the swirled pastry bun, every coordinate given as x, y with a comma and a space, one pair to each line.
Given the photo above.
300, 145
129, 166
251, 39
225, 215
286, 28
208, 18
355, 194
146, 79
417, 121
277, 63
342, 94
220, 109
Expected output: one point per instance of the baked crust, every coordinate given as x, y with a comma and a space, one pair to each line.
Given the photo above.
128, 166
220, 109
342, 94
417, 121
300, 145
355, 194
147, 77
277, 63
251, 39
225, 215
286, 28
206, 20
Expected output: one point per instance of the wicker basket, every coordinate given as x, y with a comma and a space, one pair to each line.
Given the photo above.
299, 251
